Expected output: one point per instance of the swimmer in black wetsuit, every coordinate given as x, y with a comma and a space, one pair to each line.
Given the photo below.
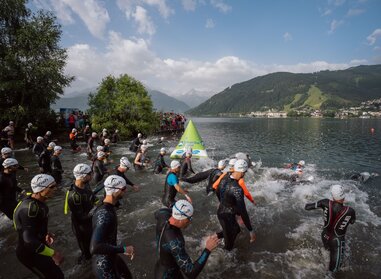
57, 170
160, 163
337, 217
90, 144
172, 186
106, 261
45, 159
31, 222
186, 165
8, 187
136, 143
232, 203
38, 147
120, 170
99, 168
174, 262
80, 200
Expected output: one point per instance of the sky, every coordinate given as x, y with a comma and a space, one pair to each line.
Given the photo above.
177, 45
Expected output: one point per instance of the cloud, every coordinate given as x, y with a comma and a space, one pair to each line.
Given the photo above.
221, 6
334, 24
209, 23
61, 10
287, 37
326, 12
162, 6
337, 2
355, 12
129, 6
189, 5
358, 62
372, 38
145, 24
134, 57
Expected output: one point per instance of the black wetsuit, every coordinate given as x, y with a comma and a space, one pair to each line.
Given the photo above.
90, 145
135, 145
80, 202
45, 162
38, 148
337, 217
28, 138
99, 170
56, 168
170, 192
186, 166
232, 203
8, 193
31, 223
115, 138
174, 262
160, 164
212, 175
106, 262
122, 174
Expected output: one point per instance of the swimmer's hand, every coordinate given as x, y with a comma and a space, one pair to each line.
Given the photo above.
212, 242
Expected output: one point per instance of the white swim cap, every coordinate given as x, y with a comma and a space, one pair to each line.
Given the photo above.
41, 181
139, 135
30, 125
107, 141
9, 162
11, 123
222, 164
162, 138
125, 163
101, 154
114, 183
74, 130
302, 163
232, 162
81, 170
337, 192
144, 147
40, 139
6, 150
100, 148
175, 164
94, 134
52, 144
104, 130
48, 133
116, 131
163, 150
57, 148
182, 209
240, 166
145, 142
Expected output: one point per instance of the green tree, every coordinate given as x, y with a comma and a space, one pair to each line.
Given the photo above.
124, 104
31, 63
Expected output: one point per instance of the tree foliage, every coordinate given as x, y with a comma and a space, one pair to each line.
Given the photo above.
31, 63
124, 104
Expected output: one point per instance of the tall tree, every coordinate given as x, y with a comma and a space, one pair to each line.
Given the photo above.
124, 104
31, 63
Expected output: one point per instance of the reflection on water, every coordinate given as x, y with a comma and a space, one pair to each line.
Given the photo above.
288, 238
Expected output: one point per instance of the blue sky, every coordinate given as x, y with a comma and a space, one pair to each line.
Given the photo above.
178, 45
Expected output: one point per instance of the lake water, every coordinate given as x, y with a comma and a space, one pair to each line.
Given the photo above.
288, 237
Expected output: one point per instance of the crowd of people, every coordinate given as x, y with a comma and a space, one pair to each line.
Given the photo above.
171, 121
95, 221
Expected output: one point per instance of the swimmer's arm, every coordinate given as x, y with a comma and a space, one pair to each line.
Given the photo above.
315, 205
241, 208
180, 189
98, 245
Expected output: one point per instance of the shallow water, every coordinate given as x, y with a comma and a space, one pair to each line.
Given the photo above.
288, 237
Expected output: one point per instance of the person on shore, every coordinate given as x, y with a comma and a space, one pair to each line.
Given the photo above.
172, 186
90, 144
337, 218
10, 130
31, 222
28, 136
103, 246
141, 161
80, 200
71, 121
174, 261
57, 170
45, 159
99, 168
136, 143
121, 170
8, 187
186, 165
232, 204
160, 163
73, 140
38, 147
115, 136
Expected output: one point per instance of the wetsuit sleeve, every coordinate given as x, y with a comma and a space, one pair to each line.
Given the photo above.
246, 192
189, 269
217, 183
41, 159
315, 205
190, 166
353, 219
241, 207
163, 164
198, 177
129, 182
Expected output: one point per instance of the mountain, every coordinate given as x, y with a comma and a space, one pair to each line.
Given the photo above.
195, 97
79, 102
163, 102
287, 91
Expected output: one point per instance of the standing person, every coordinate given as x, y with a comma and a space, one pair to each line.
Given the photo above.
172, 186
73, 140
337, 218
160, 163
136, 143
10, 130
86, 133
232, 204
90, 144
71, 121
115, 136
141, 159
45, 159
186, 165
80, 199
57, 170
106, 261
103, 136
99, 168
6, 153
48, 137
28, 136
123, 167
106, 149
8, 187
31, 222
174, 261
38, 147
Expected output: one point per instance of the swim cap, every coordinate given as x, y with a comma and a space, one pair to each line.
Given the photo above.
337, 192
182, 209
87, 126
302, 163
144, 147
57, 148
101, 154
222, 164
175, 164
116, 131
107, 141
94, 134
162, 138
232, 162
240, 166
125, 163
6, 150
9, 162
11, 123
163, 150
41, 181
145, 142
100, 148
40, 139
48, 133
74, 130
114, 183
30, 125
139, 135
52, 144
81, 170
